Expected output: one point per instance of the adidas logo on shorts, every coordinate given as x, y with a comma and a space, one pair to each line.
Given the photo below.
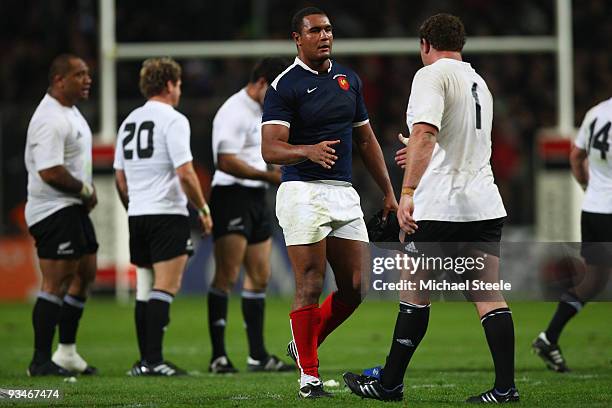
410, 247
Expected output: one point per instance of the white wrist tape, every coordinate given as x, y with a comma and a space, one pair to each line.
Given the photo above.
86, 191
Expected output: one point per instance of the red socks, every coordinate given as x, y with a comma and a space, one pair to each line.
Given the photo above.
333, 312
304, 328
310, 325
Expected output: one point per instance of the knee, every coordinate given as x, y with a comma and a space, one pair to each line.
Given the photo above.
257, 280
225, 278
308, 293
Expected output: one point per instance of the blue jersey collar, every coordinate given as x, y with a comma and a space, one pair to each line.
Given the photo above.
301, 63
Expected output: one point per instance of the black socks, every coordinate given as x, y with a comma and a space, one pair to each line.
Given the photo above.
410, 328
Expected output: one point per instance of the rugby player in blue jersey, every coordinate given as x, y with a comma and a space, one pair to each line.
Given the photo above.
313, 113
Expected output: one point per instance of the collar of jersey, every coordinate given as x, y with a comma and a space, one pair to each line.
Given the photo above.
158, 103
307, 68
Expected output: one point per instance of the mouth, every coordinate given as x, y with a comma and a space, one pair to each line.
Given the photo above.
324, 47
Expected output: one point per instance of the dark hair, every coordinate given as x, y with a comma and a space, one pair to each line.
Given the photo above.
268, 68
155, 74
60, 66
297, 22
444, 32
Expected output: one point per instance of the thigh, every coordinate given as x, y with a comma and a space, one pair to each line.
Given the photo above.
59, 236
229, 211
302, 213
57, 274
308, 263
229, 253
168, 237
260, 218
596, 231
350, 261
168, 274
140, 247
257, 264
90, 241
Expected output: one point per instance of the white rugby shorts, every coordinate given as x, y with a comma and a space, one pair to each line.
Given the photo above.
309, 211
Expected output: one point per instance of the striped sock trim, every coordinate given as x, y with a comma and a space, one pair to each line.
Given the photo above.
217, 292
407, 307
572, 301
72, 301
247, 294
500, 311
161, 295
49, 297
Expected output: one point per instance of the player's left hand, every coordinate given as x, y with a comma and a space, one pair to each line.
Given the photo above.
206, 222
404, 215
400, 155
389, 205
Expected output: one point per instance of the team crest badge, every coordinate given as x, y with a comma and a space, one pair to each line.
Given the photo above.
343, 82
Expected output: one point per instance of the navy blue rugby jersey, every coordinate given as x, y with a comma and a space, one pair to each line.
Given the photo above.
317, 107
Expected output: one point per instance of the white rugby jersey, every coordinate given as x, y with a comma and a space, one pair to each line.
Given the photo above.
152, 142
57, 136
593, 137
458, 184
237, 130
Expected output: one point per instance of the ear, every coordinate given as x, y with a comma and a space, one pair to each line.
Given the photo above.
296, 37
426, 46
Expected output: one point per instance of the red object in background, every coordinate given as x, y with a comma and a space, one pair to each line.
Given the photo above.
18, 268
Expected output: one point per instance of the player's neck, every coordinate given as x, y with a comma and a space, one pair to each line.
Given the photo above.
62, 99
320, 66
162, 98
447, 54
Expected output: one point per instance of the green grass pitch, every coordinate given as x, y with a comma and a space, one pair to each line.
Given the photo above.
452, 363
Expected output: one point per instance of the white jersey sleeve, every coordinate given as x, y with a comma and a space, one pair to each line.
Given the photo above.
46, 142
426, 104
177, 141
229, 133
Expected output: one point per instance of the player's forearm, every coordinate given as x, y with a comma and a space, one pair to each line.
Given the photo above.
579, 164
121, 185
193, 190
420, 148
372, 156
283, 153
61, 179
241, 169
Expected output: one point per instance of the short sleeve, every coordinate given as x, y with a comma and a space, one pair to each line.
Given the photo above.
177, 141
361, 112
118, 163
426, 103
582, 138
47, 144
228, 132
276, 110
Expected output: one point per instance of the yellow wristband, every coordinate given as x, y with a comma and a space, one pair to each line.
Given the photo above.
204, 210
408, 191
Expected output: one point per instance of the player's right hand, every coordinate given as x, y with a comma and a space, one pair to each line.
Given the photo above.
404, 214
323, 153
274, 176
91, 201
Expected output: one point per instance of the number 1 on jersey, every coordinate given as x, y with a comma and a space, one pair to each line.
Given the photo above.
475, 95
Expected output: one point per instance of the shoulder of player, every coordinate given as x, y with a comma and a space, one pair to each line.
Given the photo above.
232, 106
286, 80
50, 115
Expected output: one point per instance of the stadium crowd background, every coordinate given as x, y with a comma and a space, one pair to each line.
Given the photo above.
523, 85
